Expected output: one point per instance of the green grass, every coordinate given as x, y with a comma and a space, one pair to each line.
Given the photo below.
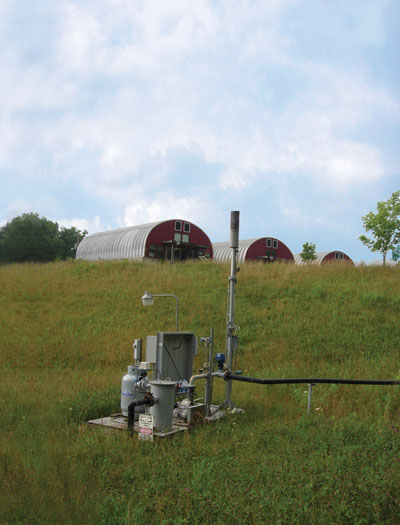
66, 332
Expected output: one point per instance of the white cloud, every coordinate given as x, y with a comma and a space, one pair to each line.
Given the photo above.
234, 179
35, 204
16, 208
158, 110
123, 38
81, 42
126, 85
90, 225
347, 98
353, 163
166, 206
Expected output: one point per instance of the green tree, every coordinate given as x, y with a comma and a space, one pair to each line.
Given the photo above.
31, 238
71, 237
308, 253
384, 226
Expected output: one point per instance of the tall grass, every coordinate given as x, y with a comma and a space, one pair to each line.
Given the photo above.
66, 332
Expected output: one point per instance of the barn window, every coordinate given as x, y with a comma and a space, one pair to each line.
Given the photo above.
177, 237
178, 226
186, 227
160, 251
275, 244
152, 250
185, 237
269, 243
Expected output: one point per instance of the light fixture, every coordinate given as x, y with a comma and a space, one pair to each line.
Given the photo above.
148, 300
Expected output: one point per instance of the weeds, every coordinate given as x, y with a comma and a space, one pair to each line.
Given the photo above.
66, 334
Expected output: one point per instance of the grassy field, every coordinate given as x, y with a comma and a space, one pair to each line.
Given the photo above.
66, 334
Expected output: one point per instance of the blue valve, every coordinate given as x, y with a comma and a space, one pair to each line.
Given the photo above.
220, 360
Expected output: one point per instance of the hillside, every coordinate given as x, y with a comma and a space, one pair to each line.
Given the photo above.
66, 334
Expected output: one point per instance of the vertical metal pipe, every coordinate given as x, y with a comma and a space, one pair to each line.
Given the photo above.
162, 410
177, 304
234, 229
230, 327
209, 380
310, 385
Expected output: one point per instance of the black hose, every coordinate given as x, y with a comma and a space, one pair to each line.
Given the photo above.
311, 380
147, 400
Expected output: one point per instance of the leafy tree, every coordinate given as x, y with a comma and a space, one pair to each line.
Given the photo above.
396, 254
31, 238
384, 226
308, 253
71, 237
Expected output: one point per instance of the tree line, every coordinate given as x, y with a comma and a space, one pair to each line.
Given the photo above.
30, 238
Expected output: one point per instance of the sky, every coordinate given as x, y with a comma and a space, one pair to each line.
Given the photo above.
122, 112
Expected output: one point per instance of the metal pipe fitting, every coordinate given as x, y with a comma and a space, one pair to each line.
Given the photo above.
234, 229
147, 400
204, 376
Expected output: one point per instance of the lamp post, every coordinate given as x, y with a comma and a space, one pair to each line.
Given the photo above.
148, 300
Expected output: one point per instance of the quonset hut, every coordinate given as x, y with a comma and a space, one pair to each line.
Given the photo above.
326, 257
265, 249
172, 240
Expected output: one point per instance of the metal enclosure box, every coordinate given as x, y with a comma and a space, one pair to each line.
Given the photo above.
151, 348
172, 353
137, 349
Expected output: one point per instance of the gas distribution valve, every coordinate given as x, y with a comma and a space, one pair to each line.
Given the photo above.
220, 360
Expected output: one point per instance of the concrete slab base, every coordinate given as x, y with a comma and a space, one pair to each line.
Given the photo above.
117, 422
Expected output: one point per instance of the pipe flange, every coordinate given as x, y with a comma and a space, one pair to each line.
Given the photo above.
149, 398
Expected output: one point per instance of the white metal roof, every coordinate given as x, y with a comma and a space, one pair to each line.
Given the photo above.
320, 257
123, 243
223, 252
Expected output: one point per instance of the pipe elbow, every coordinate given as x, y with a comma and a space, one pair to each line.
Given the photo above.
195, 377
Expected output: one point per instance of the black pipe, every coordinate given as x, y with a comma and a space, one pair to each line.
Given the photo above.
311, 380
147, 400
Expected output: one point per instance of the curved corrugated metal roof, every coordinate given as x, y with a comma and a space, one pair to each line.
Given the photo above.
320, 257
223, 252
122, 243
